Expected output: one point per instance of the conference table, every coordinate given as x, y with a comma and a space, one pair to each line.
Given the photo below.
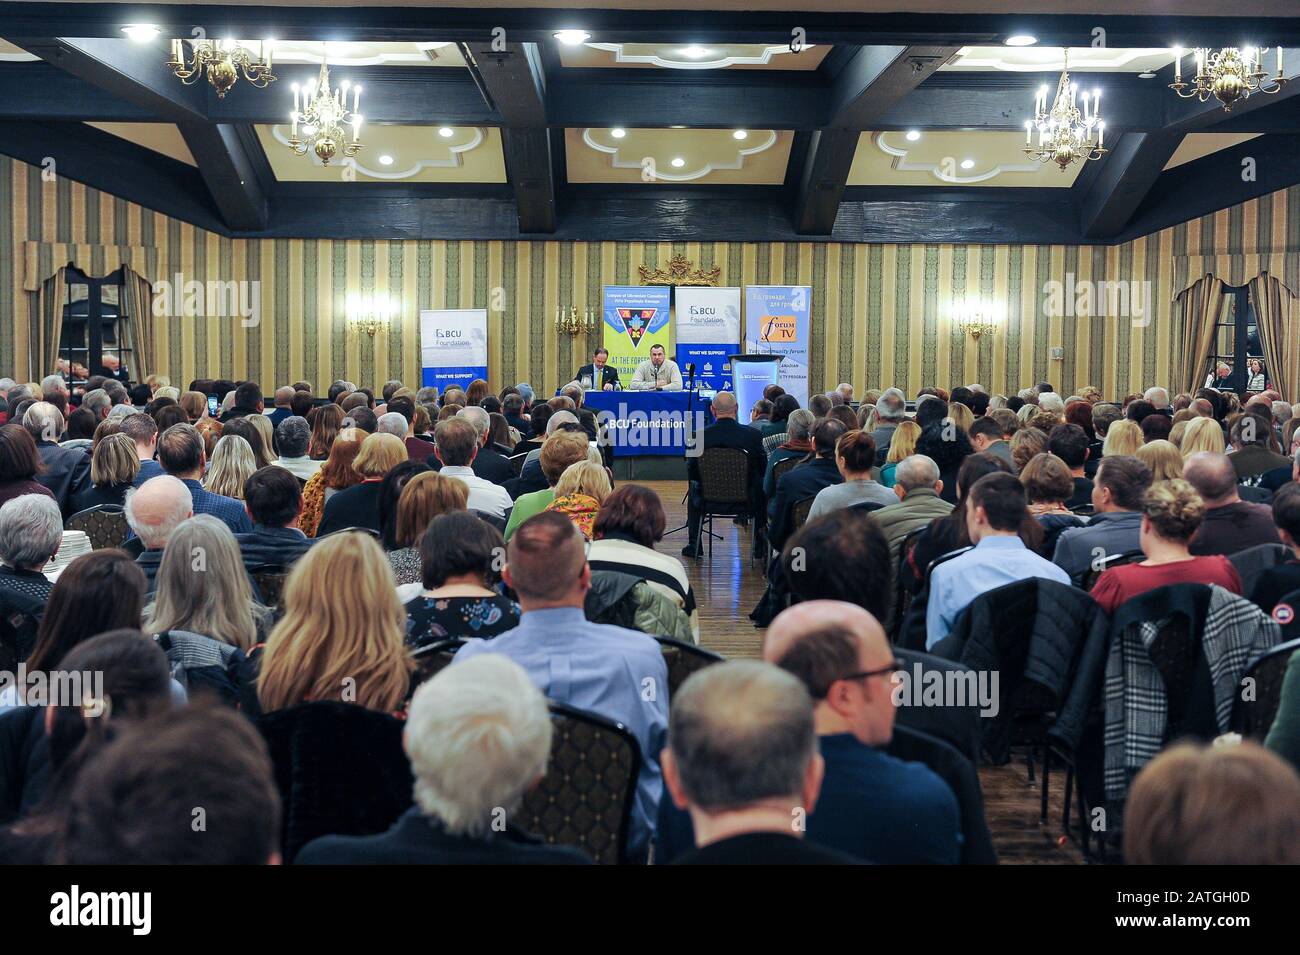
649, 422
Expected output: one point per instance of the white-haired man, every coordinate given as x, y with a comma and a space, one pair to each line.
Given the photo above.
67, 470
918, 486
891, 410
489, 464
31, 530
154, 511
478, 736
845, 391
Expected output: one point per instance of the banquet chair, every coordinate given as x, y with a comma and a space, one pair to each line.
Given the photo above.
104, 524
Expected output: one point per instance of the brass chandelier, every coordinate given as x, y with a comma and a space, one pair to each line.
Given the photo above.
1066, 133
572, 324
223, 61
1228, 74
324, 118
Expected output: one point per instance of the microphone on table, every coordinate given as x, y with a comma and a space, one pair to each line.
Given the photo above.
690, 375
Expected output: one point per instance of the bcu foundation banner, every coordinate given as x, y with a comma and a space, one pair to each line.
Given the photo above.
708, 333
636, 319
453, 346
777, 322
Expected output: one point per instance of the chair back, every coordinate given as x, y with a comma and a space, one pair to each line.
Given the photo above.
433, 658
270, 583
517, 462
17, 639
1113, 560
683, 659
1257, 702
799, 512
902, 594
340, 769
724, 479
1082, 510
959, 772
784, 466
355, 530
1253, 561
585, 799
104, 524
956, 721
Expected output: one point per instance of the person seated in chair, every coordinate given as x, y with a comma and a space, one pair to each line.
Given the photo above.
599, 374
725, 432
478, 736
805, 481
31, 530
855, 456
273, 498
1230, 524
1277, 582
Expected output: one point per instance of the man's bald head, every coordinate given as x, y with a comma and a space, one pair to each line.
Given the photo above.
156, 508
915, 471
804, 621
1202, 408
1213, 476
724, 405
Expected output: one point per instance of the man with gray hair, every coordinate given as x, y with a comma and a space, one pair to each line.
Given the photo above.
67, 470
390, 422
489, 464
52, 386
153, 512
283, 405
31, 530
97, 403
797, 444
742, 760
293, 439
891, 410
725, 432
478, 736
119, 412
1051, 402
1159, 398
116, 392
917, 484
845, 391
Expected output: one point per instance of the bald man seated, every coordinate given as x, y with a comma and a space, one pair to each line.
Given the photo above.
1231, 525
153, 511
872, 806
725, 432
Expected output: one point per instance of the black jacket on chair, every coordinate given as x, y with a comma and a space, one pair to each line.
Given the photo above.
417, 840
357, 506
272, 546
805, 480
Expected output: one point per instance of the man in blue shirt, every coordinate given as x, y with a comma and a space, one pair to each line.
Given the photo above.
181, 454
609, 671
1117, 491
995, 509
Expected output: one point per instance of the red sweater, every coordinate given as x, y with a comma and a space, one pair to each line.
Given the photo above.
1124, 583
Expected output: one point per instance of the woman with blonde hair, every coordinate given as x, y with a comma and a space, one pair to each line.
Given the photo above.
901, 445
579, 492
114, 465
336, 474
232, 463
962, 416
1122, 437
342, 635
324, 430
425, 497
868, 418
1172, 513
264, 427
358, 506
195, 404
1203, 434
202, 587
1163, 458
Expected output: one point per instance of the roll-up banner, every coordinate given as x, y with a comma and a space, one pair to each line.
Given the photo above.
708, 332
777, 320
453, 346
636, 319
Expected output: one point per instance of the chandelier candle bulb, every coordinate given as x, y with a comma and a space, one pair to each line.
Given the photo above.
1178, 65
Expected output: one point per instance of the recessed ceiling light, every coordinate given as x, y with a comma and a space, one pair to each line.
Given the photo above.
573, 37
140, 32
446, 132
1020, 39
694, 52
968, 164
618, 132
1148, 75
385, 160
913, 135
676, 127
678, 162
739, 134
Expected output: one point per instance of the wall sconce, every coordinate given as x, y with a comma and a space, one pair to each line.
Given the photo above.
975, 319
370, 313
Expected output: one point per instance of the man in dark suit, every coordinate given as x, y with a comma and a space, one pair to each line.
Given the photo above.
805, 480
67, 470
478, 736
273, 499
599, 373
489, 464
726, 432
512, 406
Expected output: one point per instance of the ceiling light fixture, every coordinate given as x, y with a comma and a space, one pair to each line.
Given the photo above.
678, 162
968, 164
695, 52
618, 132
385, 160
1066, 134
140, 32
913, 135
1148, 75
740, 134
323, 114
446, 132
223, 61
1229, 75
1020, 39
572, 37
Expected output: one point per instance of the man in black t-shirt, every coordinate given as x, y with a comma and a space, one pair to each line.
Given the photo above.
1276, 583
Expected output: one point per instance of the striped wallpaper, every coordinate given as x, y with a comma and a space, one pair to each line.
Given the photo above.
882, 314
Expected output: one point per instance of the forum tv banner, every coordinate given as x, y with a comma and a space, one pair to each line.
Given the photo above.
777, 322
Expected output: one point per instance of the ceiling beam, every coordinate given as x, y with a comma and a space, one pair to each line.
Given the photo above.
124, 69
234, 168
513, 83
1126, 176
41, 92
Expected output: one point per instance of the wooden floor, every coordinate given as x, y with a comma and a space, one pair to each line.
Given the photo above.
726, 589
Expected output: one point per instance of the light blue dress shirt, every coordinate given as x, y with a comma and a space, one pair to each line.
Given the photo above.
992, 563
615, 673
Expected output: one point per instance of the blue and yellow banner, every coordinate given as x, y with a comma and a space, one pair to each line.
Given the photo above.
636, 319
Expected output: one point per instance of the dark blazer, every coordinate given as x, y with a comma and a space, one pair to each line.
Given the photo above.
488, 464
803, 481
357, 506
267, 546
93, 495
608, 375
1234, 527
521, 425
764, 848
149, 561
67, 470
416, 840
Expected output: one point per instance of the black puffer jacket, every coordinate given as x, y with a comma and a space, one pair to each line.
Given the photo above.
1031, 633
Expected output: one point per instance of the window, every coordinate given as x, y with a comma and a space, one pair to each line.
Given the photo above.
95, 327
1236, 361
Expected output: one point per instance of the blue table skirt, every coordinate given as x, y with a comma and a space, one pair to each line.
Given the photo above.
648, 422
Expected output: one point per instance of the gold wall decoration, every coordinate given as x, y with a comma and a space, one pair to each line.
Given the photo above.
680, 271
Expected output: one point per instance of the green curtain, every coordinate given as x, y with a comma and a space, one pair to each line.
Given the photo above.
138, 295
1197, 310
54, 296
